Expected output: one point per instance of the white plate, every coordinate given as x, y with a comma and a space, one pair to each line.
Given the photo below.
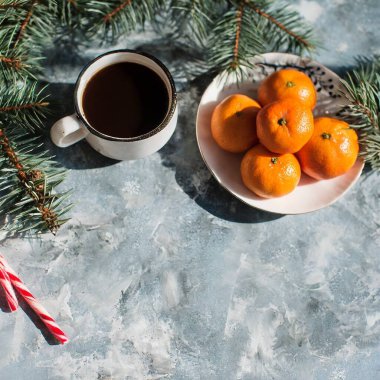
310, 195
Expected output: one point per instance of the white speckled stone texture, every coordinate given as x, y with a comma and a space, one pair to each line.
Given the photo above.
162, 274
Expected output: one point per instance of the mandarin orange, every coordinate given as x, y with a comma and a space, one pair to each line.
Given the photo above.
285, 126
269, 174
233, 123
332, 150
288, 84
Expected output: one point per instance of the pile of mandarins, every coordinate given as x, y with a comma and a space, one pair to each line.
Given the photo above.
282, 136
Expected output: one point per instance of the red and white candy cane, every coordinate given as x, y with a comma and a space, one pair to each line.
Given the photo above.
41, 312
10, 295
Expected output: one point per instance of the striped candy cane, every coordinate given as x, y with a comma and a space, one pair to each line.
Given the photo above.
41, 312
10, 295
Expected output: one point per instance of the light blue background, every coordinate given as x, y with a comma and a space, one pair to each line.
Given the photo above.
162, 274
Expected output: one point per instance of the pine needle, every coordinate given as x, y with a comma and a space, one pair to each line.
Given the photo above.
24, 104
363, 110
29, 177
111, 19
250, 28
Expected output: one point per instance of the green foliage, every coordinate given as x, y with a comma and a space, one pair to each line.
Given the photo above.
363, 110
193, 20
240, 41
24, 105
26, 27
28, 200
368, 69
254, 27
281, 27
227, 39
28, 175
108, 20
232, 32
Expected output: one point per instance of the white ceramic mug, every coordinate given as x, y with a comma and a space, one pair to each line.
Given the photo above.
71, 129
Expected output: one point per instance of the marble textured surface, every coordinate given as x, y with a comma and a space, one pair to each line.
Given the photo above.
162, 274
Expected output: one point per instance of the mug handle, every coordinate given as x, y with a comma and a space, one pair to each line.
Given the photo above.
67, 131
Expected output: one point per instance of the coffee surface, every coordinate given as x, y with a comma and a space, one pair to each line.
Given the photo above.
125, 100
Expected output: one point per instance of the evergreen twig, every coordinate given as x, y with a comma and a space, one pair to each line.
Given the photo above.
15, 63
293, 30
12, 62
34, 23
28, 177
253, 27
241, 41
192, 20
110, 15
113, 18
363, 109
25, 23
24, 104
13, 5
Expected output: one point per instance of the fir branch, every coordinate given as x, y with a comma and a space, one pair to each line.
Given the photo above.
301, 40
10, 4
363, 109
11, 62
110, 15
192, 19
250, 28
282, 28
24, 105
111, 19
14, 63
240, 41
368, 69
28, 177
7, 6
20, 107
25, 23
239, 16
69, 13
31, 25
17, 67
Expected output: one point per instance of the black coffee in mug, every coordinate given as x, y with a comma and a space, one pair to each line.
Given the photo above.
125, 100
